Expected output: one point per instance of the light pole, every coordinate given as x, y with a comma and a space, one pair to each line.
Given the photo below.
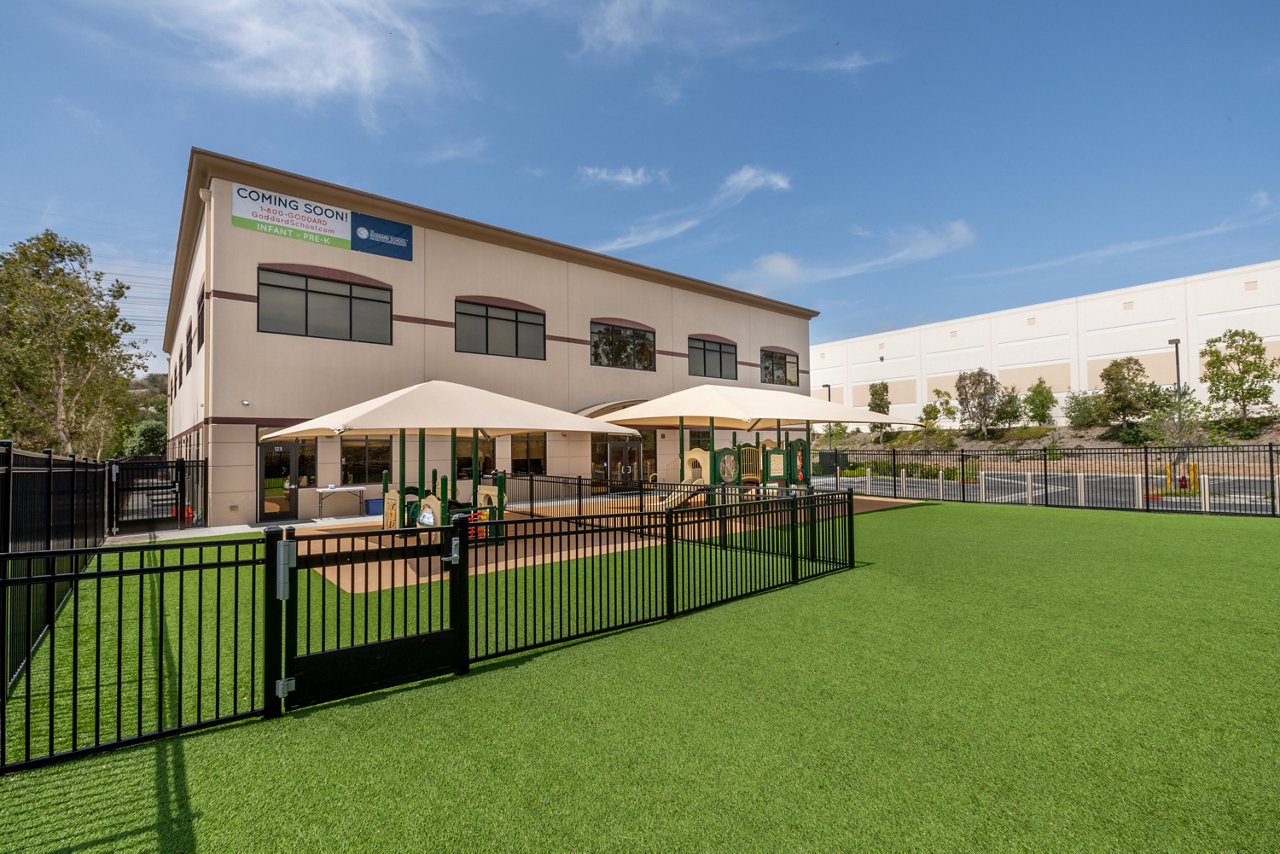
1177, 368
830, 446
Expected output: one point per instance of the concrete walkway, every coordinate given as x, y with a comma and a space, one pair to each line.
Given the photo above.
223, 530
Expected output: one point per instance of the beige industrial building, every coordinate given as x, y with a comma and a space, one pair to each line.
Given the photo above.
1067, 342
292, 297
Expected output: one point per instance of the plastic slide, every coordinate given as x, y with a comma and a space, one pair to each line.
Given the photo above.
685, 497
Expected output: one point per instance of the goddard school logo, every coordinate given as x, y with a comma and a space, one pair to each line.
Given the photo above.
362, 233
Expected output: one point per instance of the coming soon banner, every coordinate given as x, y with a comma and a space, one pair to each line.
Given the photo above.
268, 212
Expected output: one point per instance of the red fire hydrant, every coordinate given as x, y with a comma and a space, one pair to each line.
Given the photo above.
1183, 483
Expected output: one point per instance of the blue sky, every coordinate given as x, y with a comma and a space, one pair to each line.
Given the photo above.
886, 163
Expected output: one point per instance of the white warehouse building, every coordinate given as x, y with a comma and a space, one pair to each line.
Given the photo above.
1067, 342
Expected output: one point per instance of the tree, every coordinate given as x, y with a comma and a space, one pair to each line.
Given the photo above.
879, 403
1009, 411
1178, 419
66, 365
939, 409
1238, 372
1127, 394
1039, 403
978, 393
147, 439
1083, 409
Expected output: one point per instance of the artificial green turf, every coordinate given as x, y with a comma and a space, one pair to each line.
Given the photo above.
996, 677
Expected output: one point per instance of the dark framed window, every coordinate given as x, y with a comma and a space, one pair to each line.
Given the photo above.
700, 439
289, 304
365, 459
200, 324
529, 453
622, 347
190, 345
713, 359
777, 368
488, 457
497, 331
307, 463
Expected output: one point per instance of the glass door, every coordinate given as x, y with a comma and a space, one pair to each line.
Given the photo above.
278, 484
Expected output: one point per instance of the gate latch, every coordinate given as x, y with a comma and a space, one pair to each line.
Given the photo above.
284, 686
455, 548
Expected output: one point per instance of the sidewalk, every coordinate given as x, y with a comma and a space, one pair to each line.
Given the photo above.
224, 530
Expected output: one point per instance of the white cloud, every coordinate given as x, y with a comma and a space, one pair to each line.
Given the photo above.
535, 171
1261, 200
626, 27
852, 62
469, 149
301, 50
666, 225
779, 270
1128, 247
667, 88
625, 177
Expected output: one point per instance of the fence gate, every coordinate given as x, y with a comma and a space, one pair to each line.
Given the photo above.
149, 495
366, 611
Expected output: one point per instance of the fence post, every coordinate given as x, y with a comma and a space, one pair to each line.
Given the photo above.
894, 456
940, 479
1146, 471
459, 595
579, 496
671, 561
1204, 492
1044, 454
272, 649
48, 479
795, 539
868, 472
1080, 489
1139, 492
963, 478
982, 486
182, 493
1030, 488
848, 525
6, 509
1271, 478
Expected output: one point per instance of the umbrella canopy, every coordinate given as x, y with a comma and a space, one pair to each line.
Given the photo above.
736, 408
438, 407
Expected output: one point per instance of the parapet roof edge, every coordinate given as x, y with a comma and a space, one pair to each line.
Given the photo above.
204, 165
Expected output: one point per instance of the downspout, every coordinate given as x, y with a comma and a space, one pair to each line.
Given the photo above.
206, 289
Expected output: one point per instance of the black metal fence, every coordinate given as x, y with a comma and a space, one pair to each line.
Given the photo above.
555, 495
151, 495
1236, 480
46, 502
157, 639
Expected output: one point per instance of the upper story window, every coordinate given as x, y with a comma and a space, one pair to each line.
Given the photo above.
499, 330
200, 323
779, 368
190, 346
713, 359
615, 346
320, 308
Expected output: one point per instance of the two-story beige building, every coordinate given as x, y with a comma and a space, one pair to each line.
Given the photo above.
293, 297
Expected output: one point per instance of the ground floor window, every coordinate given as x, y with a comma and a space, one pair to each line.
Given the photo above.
529, 453
700, 439
487, 452
365, 459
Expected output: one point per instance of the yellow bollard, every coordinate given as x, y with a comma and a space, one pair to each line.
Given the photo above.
1168, 477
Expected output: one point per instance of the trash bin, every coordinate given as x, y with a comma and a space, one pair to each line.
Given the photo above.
373, 507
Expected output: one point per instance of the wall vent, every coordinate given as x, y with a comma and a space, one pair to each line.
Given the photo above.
1128, 306
1250, 286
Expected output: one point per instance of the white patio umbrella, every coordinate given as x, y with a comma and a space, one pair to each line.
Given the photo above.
441, 408
437, 408
737, 408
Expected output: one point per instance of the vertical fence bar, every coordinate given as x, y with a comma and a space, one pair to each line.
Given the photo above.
272, 658
48, 498
459, 589
1271, 479
1146, 474
6, 501
181, 509
670, 537
1044, 460
795, 539
848, 527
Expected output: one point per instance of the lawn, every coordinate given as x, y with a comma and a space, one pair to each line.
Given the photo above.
995, 676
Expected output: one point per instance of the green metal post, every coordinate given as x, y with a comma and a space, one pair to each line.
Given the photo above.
475, 467
711, 462
422, 466
453, 462
680, 448
404, 508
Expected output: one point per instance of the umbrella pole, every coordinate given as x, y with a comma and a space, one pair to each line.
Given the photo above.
711, 461
680, 448
453, 463
808, 450
475, 466
422, 467
404, 504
